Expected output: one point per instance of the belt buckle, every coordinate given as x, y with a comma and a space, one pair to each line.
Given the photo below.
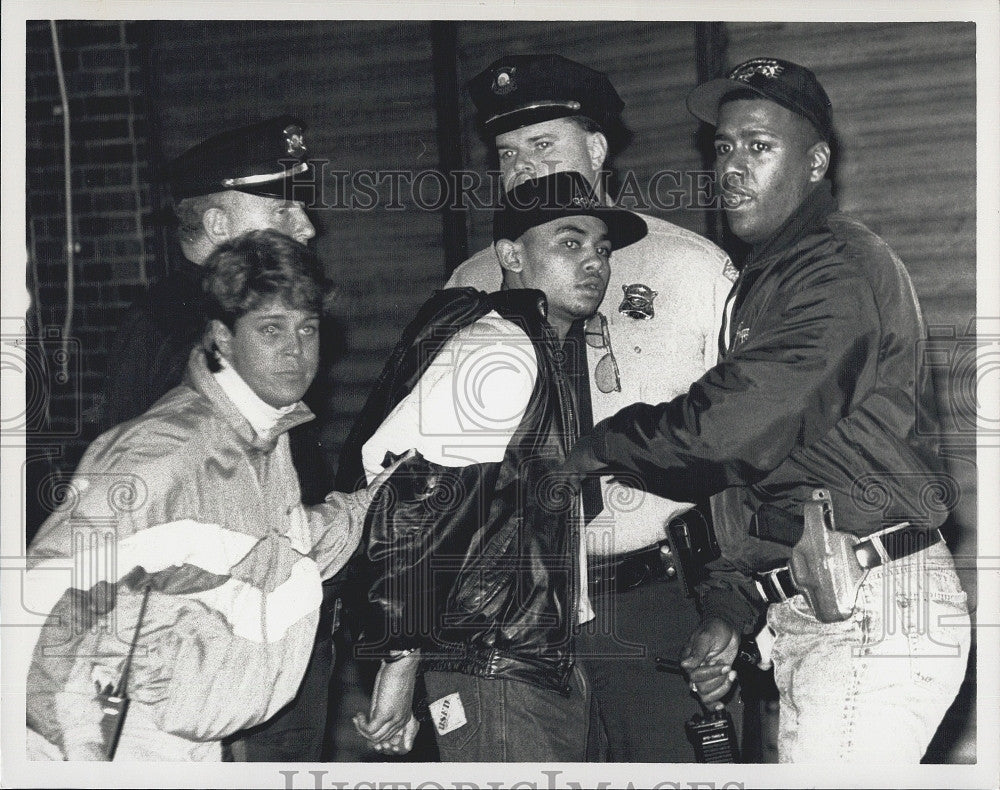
771, 577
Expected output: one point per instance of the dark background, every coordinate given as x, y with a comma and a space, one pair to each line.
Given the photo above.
390, 95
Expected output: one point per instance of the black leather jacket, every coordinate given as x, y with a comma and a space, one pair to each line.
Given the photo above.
478, 565
820, 386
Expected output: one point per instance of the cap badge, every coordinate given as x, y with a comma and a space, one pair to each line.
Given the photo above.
638, 301
504, 83
293, 139
763, 66
585, 202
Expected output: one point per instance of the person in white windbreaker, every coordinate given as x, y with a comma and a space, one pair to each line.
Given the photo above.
186, 534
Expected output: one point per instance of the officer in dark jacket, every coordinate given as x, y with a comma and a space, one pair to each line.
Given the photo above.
238, 180
816, 432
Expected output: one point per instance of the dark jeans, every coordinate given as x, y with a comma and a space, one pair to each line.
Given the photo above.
510, 721
642, 710
298, 731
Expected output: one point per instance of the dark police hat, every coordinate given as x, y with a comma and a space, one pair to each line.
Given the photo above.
521, 90
792, 86
260, 159
555, 196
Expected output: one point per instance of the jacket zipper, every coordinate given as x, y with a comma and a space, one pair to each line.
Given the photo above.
570, 433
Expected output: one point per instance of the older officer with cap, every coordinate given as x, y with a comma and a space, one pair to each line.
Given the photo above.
816, 434
655, 333
236, 181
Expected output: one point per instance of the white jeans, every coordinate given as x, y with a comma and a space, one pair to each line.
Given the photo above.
874, 687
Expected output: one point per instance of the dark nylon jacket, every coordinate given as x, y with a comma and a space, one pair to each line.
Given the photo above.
821, 386
477, 565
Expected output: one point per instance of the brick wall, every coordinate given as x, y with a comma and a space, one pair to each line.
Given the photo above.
113, 236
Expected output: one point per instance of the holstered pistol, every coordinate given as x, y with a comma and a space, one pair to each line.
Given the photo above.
824, 565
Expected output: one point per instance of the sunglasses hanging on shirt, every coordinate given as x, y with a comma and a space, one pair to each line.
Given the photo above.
606, 373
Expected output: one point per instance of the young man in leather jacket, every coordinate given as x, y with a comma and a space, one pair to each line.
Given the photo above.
478, 579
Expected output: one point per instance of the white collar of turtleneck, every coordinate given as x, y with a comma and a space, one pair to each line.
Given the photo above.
261, 416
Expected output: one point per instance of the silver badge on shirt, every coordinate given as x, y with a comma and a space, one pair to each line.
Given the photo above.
638, 301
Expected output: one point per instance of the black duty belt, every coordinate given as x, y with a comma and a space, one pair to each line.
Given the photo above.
622, 572
776, 585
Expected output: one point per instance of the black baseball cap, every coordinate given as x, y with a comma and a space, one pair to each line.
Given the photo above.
792, 86
557, 195
261, 159
521, 90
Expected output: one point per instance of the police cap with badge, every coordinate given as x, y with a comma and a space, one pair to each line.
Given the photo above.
265, 158
521, 90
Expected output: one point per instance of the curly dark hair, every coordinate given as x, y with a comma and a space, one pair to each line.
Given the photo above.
247, 271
